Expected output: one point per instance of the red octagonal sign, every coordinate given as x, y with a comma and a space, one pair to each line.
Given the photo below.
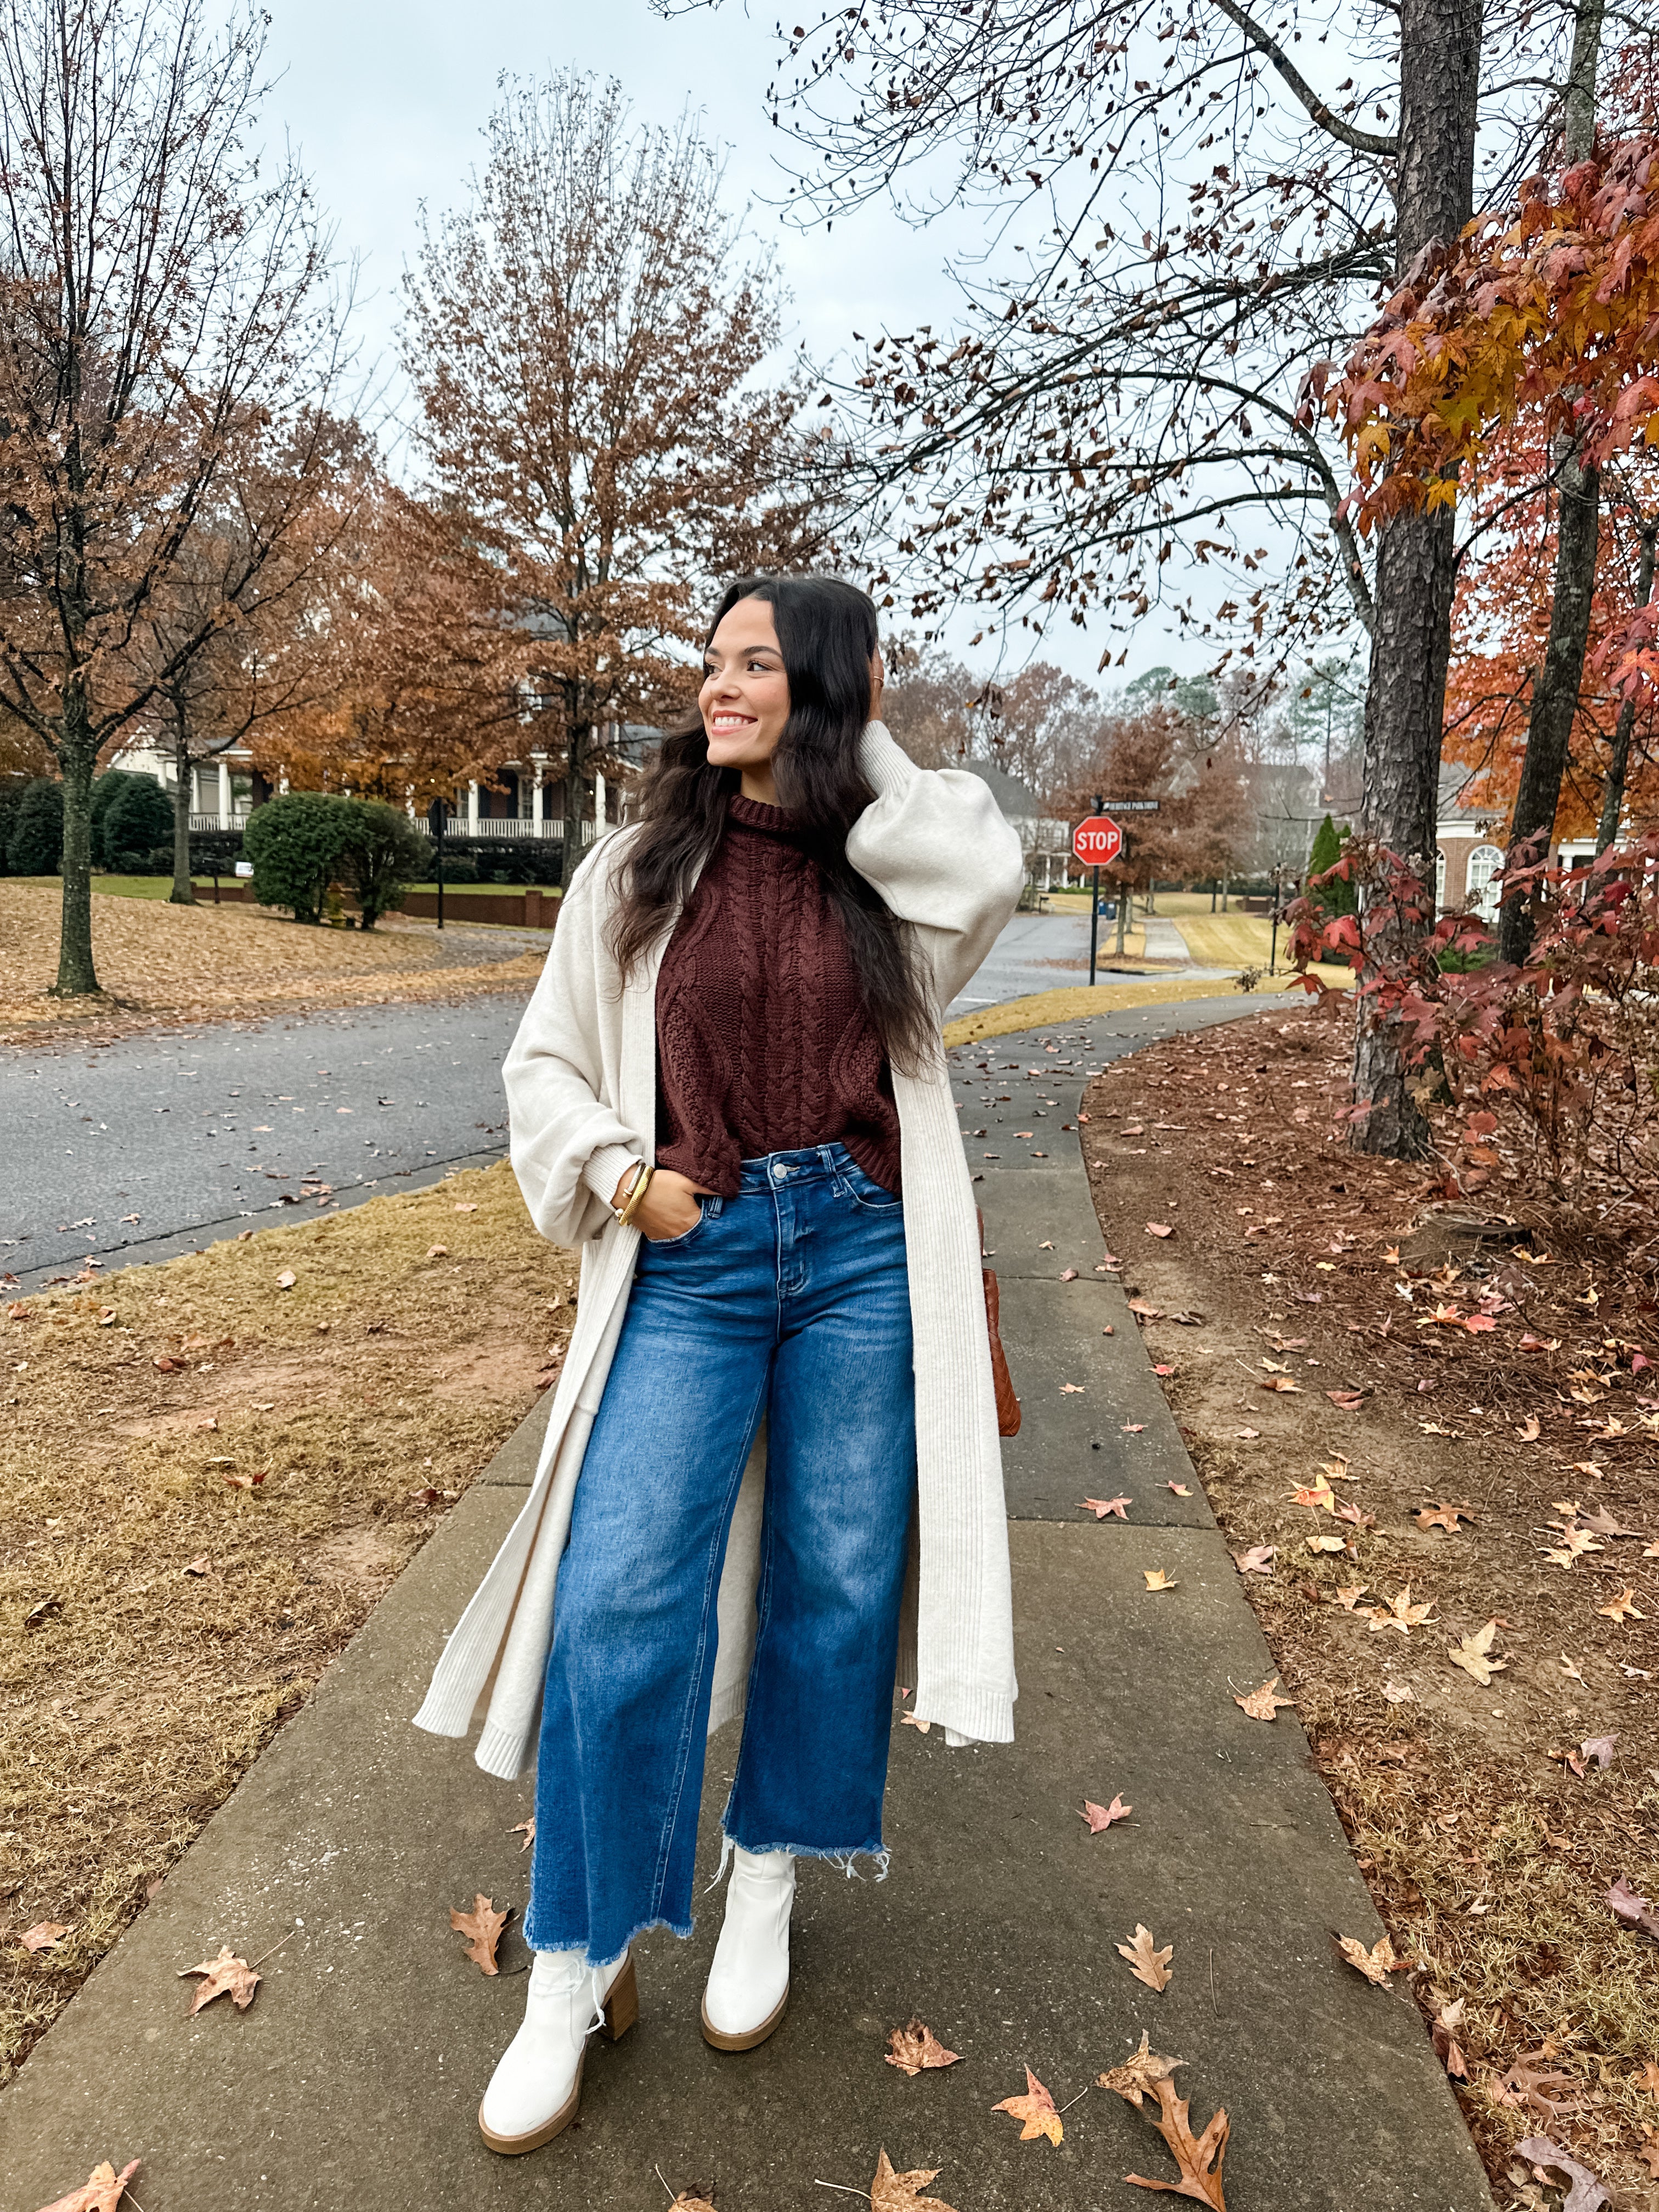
1097, 841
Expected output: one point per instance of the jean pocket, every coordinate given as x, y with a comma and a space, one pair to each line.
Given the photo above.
865, 1191
706, 1207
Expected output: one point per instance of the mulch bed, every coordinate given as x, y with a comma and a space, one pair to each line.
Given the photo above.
1440, 1413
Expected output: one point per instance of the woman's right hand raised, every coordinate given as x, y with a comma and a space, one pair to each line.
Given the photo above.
669, 1206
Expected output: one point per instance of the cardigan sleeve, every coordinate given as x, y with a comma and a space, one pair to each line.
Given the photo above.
569, 1146
934, 843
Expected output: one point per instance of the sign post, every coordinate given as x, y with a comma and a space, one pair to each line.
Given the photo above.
1096, 843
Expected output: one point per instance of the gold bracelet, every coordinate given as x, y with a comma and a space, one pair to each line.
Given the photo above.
642, 1183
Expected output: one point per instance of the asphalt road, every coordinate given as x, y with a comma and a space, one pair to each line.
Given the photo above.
148, 1146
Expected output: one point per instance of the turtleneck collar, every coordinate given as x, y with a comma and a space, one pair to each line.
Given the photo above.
750, 814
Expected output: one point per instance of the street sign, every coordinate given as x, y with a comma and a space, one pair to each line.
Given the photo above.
1131, 805
1097, 841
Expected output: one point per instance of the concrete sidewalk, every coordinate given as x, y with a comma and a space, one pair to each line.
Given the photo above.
354, 2079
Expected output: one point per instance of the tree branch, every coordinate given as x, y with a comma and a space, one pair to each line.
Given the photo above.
1363, 142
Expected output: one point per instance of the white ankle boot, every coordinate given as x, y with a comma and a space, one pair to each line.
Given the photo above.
535, 2090
749, 1982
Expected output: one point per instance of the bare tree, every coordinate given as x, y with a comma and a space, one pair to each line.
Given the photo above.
158, 293
585, 337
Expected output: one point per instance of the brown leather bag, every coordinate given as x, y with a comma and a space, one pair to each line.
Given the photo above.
1008, 1403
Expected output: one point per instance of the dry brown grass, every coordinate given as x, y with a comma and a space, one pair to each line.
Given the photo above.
144, 1690
1489, 1859
157, 962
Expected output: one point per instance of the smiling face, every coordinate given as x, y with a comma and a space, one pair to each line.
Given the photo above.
745, 699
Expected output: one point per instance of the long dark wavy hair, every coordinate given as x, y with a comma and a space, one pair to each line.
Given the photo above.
827, 631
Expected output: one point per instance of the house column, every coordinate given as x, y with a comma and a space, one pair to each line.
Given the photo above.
538, 761
224, 793
599, 804
472, 809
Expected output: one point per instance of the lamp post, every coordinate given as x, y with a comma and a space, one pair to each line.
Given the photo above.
435, 816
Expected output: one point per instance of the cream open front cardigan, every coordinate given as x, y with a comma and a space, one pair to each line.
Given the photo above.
581, 1085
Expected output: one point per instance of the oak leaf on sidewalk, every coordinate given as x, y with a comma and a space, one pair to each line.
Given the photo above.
482, 1928
227, 1976
1146, 1962
915, 2048
1146, 2074
100, 2192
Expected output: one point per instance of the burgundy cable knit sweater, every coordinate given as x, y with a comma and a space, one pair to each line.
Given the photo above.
763, 1042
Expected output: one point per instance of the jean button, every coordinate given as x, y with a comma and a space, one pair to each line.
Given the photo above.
779, 1171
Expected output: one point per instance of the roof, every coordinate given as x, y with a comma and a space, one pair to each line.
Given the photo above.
1018, 801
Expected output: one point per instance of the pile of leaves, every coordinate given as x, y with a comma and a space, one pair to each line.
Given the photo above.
1428, 1425
210, 1471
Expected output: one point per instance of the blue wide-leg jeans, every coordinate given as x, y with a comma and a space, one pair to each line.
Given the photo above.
790, 1301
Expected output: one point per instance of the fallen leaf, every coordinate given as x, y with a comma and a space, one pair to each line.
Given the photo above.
1473, 1655
1156, 1579
1160, 1228
244, 1481
1133, 1428
1402, 1613
1262, 1705
1143, 1311
1597, 1750
1100, 1507
915, 2048
1146, 1962
1397, 1693
45, 1936
1036, 2108
1327, 1543
1282, 1383
1377, 1964
527, 1830
1648, 2079
1183, 1490
225, 1976
1535, 2086
1349, 1595
900, 2192
437, 1251
100, 2192
165, 1364
1529, 1432
482, 1928
44, 1609
1620, 1608
1247, 1435
1585, 2193
1633, 1909
1600, 1519
203, 1566
688, 2201
1258, 1559
1139, 2074
1443, 2030
1071, 1389
909, 1720
1100, 1817
470, 1207
285, 1281
106, 1316
1068, 1274
1444, 1517
1318, 1493
1349, 1401
1567, 1668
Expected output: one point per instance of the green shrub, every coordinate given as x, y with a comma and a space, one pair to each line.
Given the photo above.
459, 868
136, 817
384, 854
1338, 895
35, 845
297, 844
12, 788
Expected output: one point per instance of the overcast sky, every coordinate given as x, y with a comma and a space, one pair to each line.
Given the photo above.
385, 100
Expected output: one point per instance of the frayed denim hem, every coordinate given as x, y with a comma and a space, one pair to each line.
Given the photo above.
843, 1858
596, 1965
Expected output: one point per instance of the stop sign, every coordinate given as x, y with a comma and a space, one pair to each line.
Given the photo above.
1097, 841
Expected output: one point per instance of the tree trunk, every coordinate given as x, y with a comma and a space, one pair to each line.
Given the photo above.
1554, 693
1411, 644
184, 892
77, 758
577, 738
1613, 795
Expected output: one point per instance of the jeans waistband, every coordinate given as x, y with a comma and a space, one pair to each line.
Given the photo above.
815, 1162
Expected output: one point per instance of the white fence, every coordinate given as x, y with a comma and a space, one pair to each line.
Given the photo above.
488, 825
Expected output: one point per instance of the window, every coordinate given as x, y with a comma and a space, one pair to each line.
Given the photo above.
1440, 881
1480, 888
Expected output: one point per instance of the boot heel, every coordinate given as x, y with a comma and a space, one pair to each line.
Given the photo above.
621, 2007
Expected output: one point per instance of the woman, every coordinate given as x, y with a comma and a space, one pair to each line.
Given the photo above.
729, 1091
